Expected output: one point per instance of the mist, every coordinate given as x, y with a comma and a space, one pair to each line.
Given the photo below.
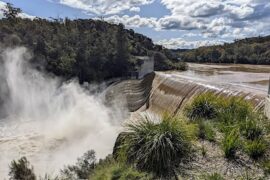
49, 121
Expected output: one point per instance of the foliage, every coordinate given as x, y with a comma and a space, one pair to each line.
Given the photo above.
90, 50
83, 167
231, 143
256, 148
246, 51
251, 129
21, 169
117, 171
206, 131
158, 147
214, 176
203, 106
11, 12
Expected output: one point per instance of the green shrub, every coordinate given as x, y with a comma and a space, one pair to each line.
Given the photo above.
234, 109
256, 148
214, 176
251, 129
206, 131
21, 169
203, 106
158, 147
231, 143
117, 171
82, 169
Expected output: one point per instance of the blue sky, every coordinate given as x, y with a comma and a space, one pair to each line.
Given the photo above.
172, 23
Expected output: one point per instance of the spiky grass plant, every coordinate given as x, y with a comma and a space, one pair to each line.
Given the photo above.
206, 131
231, 143
256, 148
203, 106
117, 171
251, 129
158, 146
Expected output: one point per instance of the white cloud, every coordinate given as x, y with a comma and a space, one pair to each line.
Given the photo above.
179, 43
105, 7
135, 9
214, 18
133, 21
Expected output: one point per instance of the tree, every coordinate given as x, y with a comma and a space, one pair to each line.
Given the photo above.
84, 166
11, 12
21, 169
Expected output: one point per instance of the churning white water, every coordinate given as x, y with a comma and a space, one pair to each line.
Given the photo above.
50, 122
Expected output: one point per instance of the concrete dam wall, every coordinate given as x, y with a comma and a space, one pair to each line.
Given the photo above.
159, 93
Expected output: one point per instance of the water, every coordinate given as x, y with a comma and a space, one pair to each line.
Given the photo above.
247, 78
50, 122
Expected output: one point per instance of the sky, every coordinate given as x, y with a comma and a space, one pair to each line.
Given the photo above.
171, 23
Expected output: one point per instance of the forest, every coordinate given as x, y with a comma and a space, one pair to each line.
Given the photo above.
254, 50
87, 49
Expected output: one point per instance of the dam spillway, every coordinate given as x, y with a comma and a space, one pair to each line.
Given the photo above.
169, 91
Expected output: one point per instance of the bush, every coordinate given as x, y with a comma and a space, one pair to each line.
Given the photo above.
251, 129
158, 147
234, 109
117, 171
83, 167
206, 131
230, 143
21, 169
256, 148
203, 106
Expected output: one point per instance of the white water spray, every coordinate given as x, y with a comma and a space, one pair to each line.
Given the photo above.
49, 122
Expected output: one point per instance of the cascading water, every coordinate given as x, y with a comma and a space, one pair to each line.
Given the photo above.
50, 122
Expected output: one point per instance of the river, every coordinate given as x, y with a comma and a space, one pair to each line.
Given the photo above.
247, 78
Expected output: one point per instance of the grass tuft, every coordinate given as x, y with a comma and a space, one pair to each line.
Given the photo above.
231, 143
256, 148
158, 146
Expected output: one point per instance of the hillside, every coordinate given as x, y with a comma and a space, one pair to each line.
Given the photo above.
92, 50
254, 50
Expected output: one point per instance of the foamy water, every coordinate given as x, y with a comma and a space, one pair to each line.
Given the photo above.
50, 122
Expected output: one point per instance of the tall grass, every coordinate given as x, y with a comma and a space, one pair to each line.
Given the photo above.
203, 106
158, 146
231, 143
256, 148
117, 171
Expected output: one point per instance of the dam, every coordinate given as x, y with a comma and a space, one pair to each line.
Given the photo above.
161, 92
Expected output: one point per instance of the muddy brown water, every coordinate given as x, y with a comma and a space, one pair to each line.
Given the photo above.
248, 78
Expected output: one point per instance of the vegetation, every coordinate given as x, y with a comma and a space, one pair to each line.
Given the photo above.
214, 176
203, 106
242, 128
256, 148
117, 171
91, 50
246, 51
206, 131
230, 144
158, 148
21, 169
84, 166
